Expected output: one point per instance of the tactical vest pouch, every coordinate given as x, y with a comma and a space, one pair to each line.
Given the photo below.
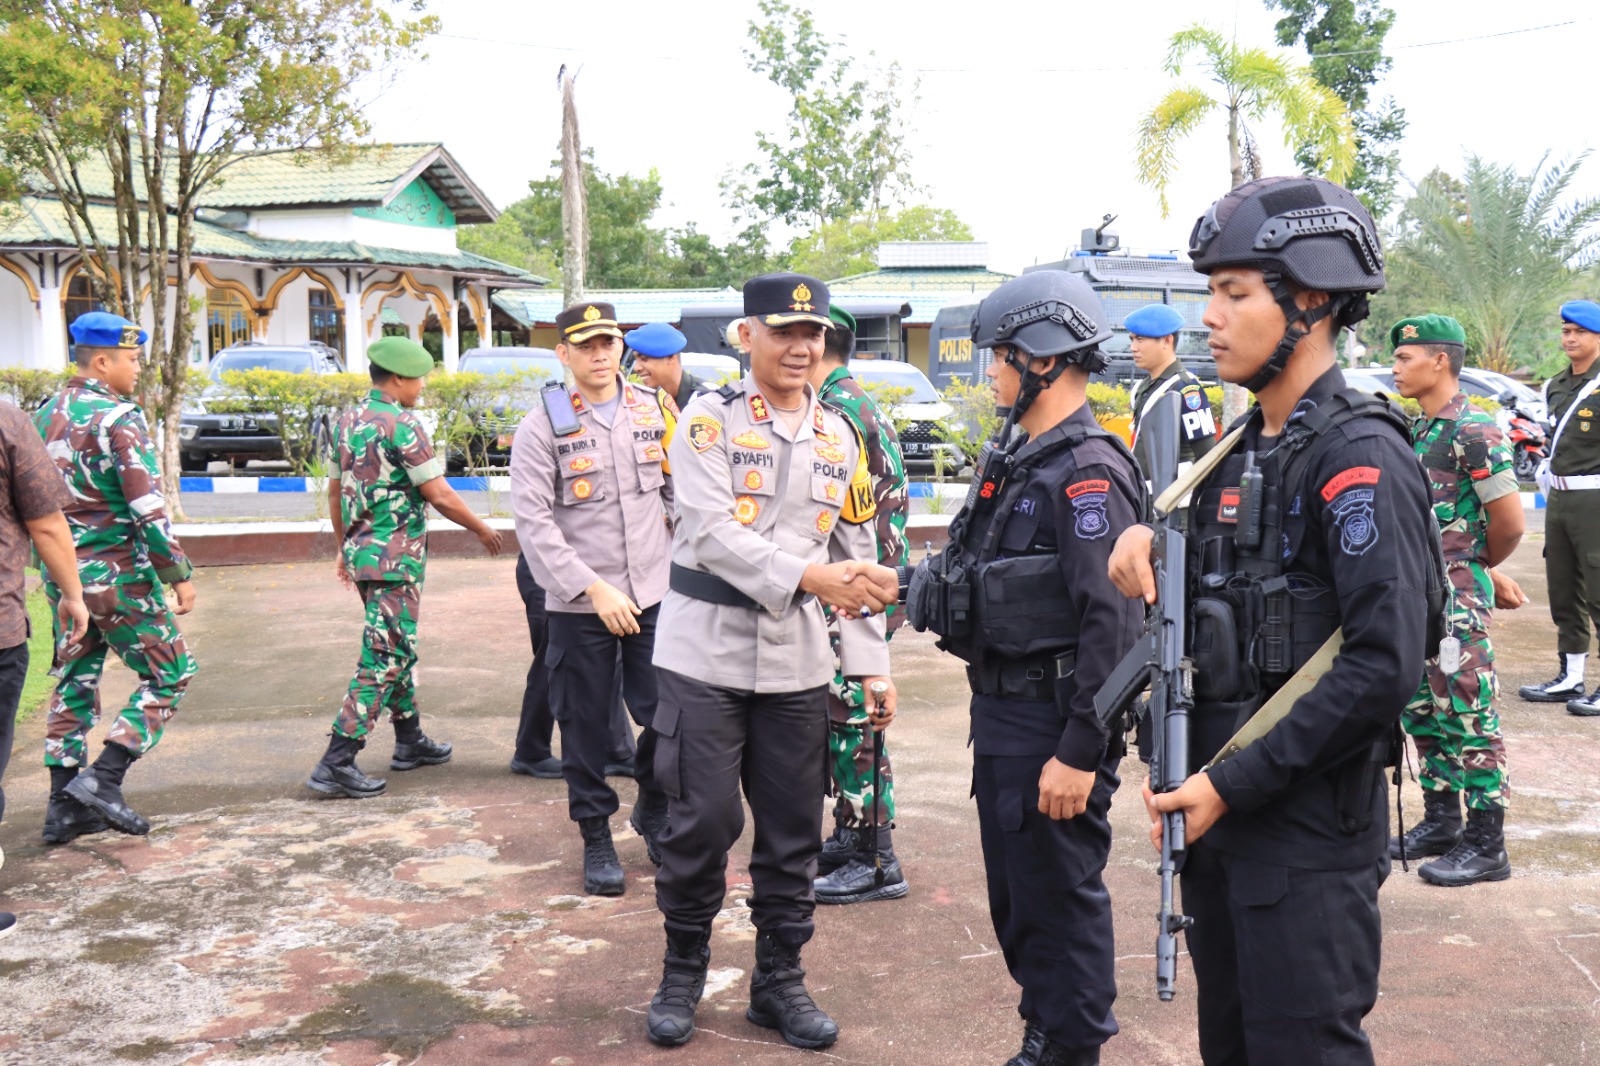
939, 596
1215, 650
1022, 606
1353, 787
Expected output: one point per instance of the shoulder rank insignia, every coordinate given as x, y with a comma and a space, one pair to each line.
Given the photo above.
758, 408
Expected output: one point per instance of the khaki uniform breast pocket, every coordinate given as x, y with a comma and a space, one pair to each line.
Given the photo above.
647, 456
580, 479
829, 494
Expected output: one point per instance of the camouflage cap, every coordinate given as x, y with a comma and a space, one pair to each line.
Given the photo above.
1427, 329
401, 355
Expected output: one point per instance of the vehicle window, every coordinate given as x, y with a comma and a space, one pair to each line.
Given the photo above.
550, 368
295, 362
896, 376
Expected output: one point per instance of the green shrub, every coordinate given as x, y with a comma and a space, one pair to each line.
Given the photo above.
473, 409
972, 419
307, 406
30, 388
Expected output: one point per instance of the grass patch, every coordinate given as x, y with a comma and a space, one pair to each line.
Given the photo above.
39, 686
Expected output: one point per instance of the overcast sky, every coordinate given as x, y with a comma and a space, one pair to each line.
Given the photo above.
1025, 123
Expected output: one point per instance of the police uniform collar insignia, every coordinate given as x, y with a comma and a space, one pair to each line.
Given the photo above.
760, 411
816, 418
577, 400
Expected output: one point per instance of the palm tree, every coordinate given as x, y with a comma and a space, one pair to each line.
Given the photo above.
1254, 84
1502, 248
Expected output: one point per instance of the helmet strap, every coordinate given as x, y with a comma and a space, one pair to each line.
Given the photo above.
1032, 384
1300, 321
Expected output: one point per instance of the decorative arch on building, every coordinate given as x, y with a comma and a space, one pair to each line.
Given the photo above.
77, 267
258, 325
33, 290
269, 303
480, 313
405, 283
144, 293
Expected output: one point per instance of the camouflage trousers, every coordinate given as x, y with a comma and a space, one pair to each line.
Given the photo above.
1452, 719
132, 620
850, 759
384, 677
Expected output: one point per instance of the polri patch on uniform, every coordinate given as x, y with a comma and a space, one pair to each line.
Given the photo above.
1089, 501
1026, 505
1355, 520
703, 432
751, 439
824, 521
1345, 479
746, 509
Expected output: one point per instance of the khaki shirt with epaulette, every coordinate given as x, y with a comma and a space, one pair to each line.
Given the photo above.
1578, 450
757, 504
595, 504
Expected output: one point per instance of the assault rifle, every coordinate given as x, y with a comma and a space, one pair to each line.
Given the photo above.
1159, 661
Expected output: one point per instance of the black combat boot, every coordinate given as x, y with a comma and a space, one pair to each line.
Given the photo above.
683, 980
602, 872
338, 775
778, 996
1439, 830
65, 819
857, 880
649, 820
1054, 1054
1566, 685
1481, 855
100, 789
1033, 1043
844, 845
412, 748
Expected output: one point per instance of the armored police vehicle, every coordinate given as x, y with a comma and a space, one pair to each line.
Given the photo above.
1124, 281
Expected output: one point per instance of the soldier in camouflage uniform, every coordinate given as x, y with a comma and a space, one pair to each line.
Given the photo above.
126, 552
1452, 718
847, 866
388, 474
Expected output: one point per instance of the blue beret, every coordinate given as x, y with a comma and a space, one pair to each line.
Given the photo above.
102, 329
657, 340
1585, 313
1154, 320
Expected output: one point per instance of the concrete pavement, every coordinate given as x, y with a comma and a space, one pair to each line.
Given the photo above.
442, 923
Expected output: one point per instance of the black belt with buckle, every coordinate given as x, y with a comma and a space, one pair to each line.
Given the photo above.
700, 585
1018, 679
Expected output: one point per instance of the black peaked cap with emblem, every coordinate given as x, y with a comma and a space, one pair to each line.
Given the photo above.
588, 319
779, 299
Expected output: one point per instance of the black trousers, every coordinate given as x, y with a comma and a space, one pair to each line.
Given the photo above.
1047, 897
1285, 959
713, 743
13, 672
584, 664
538, 724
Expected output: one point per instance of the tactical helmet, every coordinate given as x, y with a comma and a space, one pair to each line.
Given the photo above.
1311, 231
1043, 313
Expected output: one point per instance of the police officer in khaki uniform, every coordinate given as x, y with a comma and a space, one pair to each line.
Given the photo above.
591, 498
1572, 522
774, 505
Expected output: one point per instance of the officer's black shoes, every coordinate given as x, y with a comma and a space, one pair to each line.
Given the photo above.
1587, 707
338, 775
1054, 1054
548, 768
843, 846
602, 872
8, 922
857, 882
1033, 1044
65, 819
410, 754
99, 788
1481, 855
1437, 833
1559, 689
683, 980
649, 820
621, 768
345, 781
778, 996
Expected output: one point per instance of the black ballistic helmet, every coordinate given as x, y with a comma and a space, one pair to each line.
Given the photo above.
1308, 231
1043, 313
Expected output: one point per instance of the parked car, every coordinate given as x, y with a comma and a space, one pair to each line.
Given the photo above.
489, 442
205, 435
711, 368
917, 414
1475, 381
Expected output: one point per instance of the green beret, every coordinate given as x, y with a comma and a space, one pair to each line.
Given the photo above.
1427, 329
842, 317
401, 355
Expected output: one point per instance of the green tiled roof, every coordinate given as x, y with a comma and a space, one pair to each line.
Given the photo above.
926, 289
370, 174
39, 222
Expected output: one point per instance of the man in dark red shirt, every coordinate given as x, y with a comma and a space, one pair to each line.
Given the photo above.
31, 497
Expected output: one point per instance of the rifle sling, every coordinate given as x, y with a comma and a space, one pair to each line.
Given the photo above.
1277, 708
1173, 495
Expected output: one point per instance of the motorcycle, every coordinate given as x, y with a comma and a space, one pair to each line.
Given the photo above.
1525, 436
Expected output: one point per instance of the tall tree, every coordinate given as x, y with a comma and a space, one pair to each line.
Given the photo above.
844, 152
166, 96
574, 204
1504, 248
1345, 41
1254, 84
